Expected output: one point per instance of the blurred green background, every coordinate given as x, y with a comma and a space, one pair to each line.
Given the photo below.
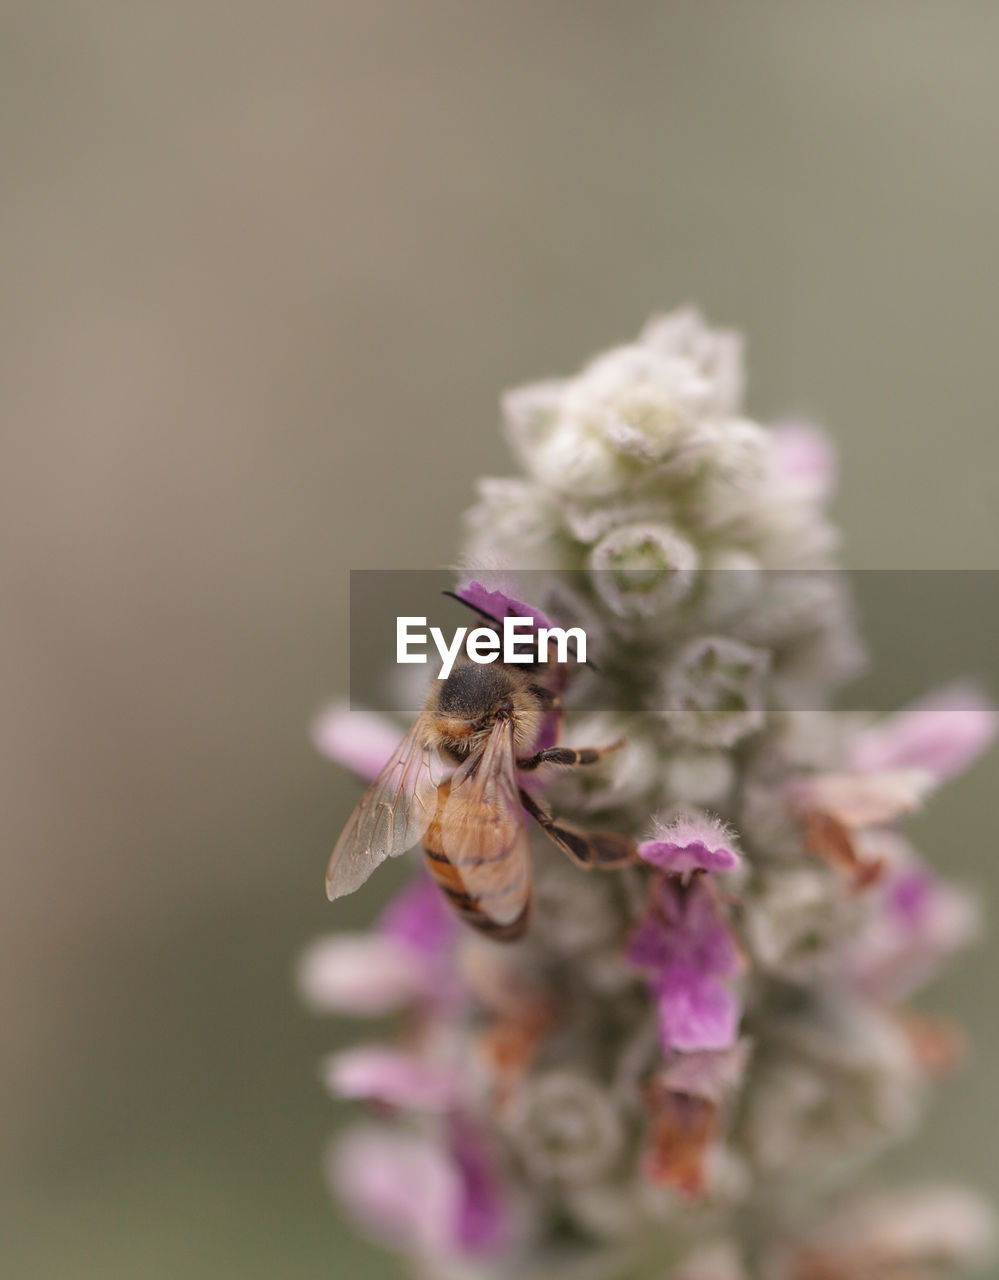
266, 269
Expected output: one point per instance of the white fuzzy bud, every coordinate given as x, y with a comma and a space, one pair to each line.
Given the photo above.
566, 1126
715, 691
642, 570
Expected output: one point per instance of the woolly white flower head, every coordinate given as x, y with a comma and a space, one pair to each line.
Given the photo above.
675, 1046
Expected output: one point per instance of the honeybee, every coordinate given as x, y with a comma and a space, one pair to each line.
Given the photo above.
453, 783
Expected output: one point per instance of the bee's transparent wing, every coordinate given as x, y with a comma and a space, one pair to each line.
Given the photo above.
393, 814
483, 833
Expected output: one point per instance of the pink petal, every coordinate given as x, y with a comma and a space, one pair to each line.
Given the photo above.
363, 741
419, 918
498, 604
441, 1200
684, 927
712, 1074
708, 939
648, 948
804, 455
909, 894
943, 733
697, 1011
401, 1187
691, 843
862, 799
380, 1074
918, 922
360, 974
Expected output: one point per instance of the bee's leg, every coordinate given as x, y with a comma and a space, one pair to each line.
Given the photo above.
602, 849
570, 756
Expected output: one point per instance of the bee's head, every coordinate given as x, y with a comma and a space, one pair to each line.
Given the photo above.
473, 692
474, 696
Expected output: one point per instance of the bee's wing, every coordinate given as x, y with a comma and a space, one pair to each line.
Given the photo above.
393, 814
483, 833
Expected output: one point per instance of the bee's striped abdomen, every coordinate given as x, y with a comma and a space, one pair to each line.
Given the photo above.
477, 855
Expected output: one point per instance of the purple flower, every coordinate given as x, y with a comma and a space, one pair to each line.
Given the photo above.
553, 1101
498, 604
943, 734
437, 1196
363, 741
419, 918
405, 960
400, 1186
690, 955
691, 842
917, 921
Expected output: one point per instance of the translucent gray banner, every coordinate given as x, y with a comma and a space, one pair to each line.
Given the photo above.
868, 640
